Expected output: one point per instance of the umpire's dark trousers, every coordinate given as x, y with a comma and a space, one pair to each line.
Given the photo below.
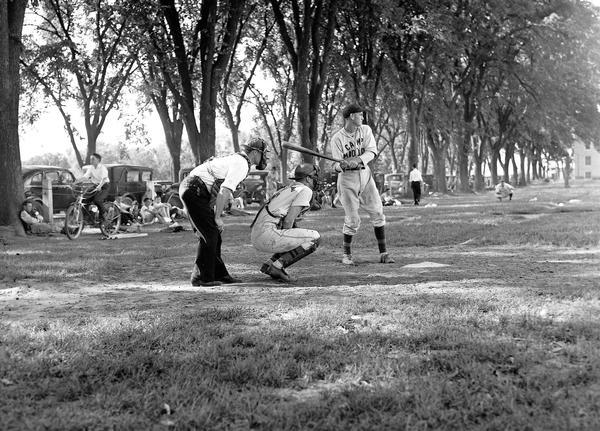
416, 189
196, 197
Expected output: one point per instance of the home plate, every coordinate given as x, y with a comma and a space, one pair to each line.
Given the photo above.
425, 265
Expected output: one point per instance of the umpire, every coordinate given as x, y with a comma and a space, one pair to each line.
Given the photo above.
204, 193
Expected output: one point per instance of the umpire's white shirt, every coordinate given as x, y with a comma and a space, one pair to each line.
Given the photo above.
233, 169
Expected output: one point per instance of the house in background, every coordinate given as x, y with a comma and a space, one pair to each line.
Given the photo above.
586, 161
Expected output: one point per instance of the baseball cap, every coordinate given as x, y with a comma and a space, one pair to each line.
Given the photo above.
351, 109
304, 170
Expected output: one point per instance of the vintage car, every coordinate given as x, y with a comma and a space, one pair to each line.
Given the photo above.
395, 184
129, 182
253, 188
62, 178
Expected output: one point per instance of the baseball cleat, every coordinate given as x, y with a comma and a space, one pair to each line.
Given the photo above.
347, 259
386, 258
274, 272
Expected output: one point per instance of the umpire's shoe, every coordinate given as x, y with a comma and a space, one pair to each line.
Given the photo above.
274, 272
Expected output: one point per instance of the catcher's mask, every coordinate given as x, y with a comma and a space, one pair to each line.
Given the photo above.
305, 170
258, 144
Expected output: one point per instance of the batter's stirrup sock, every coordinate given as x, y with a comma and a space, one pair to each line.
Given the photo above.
380, 235
296, 254
347, 244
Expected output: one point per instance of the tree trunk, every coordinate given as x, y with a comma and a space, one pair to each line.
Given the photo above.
438, 150
393, 154
207, 121
304, 117
231, 124
463, 148
11, 182
413, 135
515, 178
567, 170
522, 179
478, 161
494, 167
173, 135
92, 138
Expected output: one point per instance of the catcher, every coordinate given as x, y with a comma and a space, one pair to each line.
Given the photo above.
274, 228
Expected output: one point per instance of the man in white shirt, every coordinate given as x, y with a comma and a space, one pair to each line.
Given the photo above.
97, 174
355, 145
204, 193
274, 230
415, 183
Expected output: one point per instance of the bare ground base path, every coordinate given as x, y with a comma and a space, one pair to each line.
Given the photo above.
455, 247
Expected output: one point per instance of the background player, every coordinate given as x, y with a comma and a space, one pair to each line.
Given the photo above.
274, 231
355, 144
205, 192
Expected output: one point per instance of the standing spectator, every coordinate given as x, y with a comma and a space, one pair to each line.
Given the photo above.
32, 220
504, 190
204, 193
415, 179
355, 144
97, 174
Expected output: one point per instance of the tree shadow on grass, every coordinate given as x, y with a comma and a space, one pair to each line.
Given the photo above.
240, 367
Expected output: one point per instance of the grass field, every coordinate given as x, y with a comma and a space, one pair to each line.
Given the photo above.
490, 319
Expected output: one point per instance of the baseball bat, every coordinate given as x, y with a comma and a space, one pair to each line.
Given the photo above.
305, 150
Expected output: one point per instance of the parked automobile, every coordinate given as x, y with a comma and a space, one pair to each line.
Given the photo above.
161, 187
254, 187
128, 182
62, 194
396, 184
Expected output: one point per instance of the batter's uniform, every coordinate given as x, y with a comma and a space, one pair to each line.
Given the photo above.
198, 192
357, 188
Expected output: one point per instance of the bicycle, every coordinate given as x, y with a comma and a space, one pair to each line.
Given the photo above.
84, 212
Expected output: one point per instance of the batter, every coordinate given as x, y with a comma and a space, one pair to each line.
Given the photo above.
274, 228
355, 144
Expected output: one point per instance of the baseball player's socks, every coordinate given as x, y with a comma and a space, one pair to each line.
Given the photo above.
347, 244
380, 235
347, 258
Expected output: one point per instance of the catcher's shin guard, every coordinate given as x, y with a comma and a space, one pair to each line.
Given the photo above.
293, 256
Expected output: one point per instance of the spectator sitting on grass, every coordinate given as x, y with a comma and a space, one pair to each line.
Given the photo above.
155, 212
504, 190
32, 220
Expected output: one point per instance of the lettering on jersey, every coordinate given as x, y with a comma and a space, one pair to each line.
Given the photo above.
354, 149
